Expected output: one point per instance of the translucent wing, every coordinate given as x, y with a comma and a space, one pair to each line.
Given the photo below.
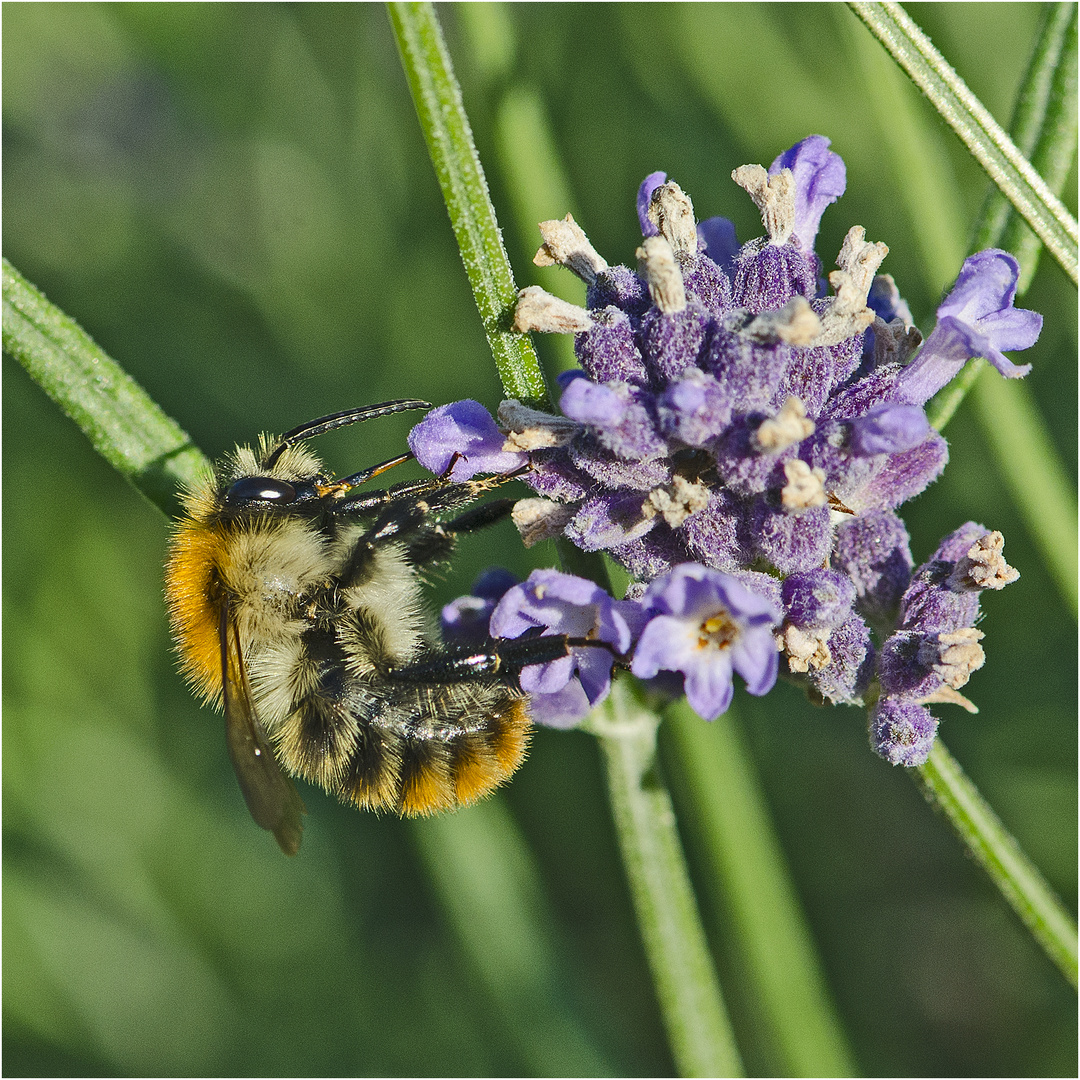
270, 795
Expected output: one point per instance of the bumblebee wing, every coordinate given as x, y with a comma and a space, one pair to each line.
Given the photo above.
270, 795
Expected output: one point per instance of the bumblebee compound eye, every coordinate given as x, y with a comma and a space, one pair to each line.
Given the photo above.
259, 489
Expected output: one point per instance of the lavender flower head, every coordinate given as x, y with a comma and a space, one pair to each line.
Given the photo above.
738, 431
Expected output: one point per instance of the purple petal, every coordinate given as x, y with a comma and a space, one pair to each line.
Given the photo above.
666, 644
1012, 330
493, 583
590, 403
547, 678
885, 300
564, 709
594, 670
610, 520
889, 429
820, 179
976, 319
644, 197
709, 686
465, 428
986, 283
721, 243
756, 659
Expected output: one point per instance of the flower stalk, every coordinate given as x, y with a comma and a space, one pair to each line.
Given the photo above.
693, 1010
119, 418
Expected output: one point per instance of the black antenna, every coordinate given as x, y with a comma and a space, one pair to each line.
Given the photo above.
341, 419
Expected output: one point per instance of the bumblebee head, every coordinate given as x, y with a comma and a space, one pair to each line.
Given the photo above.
282, 476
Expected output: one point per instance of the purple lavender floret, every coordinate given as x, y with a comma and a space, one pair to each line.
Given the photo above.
873, 551
707, 625
820, 179
936, 646
464, 621
902, 732
555, 603
464, 429
977, 318
768, 275
847, 674
721, 244
644, 197
818, 598
738, 417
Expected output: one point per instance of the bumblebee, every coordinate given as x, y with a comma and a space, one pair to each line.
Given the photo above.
296, 605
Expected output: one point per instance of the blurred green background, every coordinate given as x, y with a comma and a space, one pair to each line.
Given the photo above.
236, 202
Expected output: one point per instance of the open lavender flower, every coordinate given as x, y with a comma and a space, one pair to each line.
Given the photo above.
976, 319
734, 413
706, 625
563, 691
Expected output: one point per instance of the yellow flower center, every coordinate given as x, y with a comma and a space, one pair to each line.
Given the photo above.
719, 631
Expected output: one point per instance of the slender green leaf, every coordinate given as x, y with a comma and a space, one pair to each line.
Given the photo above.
693, 1009
982, 135
1044, 118
1055, 146
946, 786
449, 138
1044, 129
121, 421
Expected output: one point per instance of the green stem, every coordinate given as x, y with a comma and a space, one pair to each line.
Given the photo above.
794, 1019
945, 785
1044, 119
439, 107
1044, 129
978, 130
124, 425
691, 1004
686, 982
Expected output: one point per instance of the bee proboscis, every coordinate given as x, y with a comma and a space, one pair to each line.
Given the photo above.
295, 601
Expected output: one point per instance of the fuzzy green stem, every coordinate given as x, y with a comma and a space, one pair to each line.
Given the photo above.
124, 425
446, 129
691, 1004
945, 785
978, 130
686, 982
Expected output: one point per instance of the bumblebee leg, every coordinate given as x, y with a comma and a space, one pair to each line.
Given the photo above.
408, 520
435, 543
501, 659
